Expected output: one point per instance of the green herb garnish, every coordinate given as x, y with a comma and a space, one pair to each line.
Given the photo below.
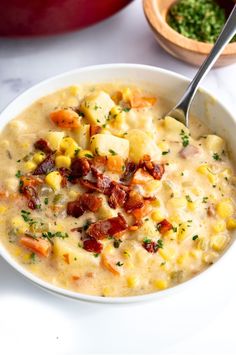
216, 157
185, 138
18, 174
195, 237
119, 263
112, 152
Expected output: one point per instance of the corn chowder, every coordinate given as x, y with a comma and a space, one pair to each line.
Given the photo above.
101, 196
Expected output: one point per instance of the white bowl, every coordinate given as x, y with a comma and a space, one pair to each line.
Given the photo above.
166, 84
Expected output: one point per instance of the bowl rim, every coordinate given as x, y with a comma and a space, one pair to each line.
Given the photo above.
160, 27
100, 299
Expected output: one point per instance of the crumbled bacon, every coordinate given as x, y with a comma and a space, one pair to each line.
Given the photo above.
151, 247
101, 184
117, 197
107, 227
164, 226
43, 145
130, 169
47, 165
80, 167
32, 196
65, 173
86, 202
92, 245
134, 201
154, 169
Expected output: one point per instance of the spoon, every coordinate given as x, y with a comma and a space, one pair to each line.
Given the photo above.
181, 111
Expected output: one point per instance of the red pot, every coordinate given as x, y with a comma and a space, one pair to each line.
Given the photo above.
40, 17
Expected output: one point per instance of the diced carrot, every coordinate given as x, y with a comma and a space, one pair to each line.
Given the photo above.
94, 129
108, 263
40, 246
115, 163
75, 278
143, 211
137, 101
30, 181
141, 177
66, 258
67, 119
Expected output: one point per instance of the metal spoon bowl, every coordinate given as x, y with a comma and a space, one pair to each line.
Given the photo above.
181, 111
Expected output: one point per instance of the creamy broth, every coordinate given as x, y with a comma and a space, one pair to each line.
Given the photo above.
102, 196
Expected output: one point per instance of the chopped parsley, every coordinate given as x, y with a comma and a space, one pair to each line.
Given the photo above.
126, 109
188, 198
112, 152
119, 263
216, 157
185, 138
18, 174
116, 243
166, 152
204, 199
96, 255
88, 155
195, 237
50, 235
46, 201
26, 215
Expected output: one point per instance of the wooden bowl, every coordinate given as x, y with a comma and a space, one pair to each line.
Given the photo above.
181, 47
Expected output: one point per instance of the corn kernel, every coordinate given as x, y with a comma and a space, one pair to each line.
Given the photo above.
53, 180
73, 194
209, 257
160, 284
107, 291
225, 208
85, 154
195, 253
205, 170
30, 166
156, 203
117, 117
226, 173
178, 202
69, 146
39, 157
231, 223
157, 216
126, 94
167, 253
183, 232
129, 265
218, 242
164, 146
74, 90
153, 185
191, 206
3, 209
183, 259
202, 243
132, 281
219, 226
63, 161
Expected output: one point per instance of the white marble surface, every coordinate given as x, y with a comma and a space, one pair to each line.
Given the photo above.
32, 321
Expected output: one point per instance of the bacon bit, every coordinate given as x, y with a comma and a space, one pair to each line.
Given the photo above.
115, 164
154, 169
40, 246
117, 197
67, 119
134, 201
117, 97
47, 165
66, 258
211, 211
94, 129
27, 188
80, 167
130, 169
107, 227
143, 211
151, 247
141, 177
83, 203
43, 145
75, 278
164, 226
108, 262
92, 245
65, 173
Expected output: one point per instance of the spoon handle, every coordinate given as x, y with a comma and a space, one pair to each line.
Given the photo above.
226, 34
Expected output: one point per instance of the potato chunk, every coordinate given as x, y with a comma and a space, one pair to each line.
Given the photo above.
107, 144
71, 255
140, 144
215, 143
172, 125
82, 135
96, 107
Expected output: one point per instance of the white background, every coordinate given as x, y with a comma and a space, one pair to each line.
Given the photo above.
198, 320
